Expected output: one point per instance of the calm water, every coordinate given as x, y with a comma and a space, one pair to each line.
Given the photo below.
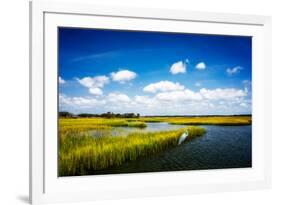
124, 131
220, 147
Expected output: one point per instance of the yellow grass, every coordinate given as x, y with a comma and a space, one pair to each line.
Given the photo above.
83, 154
233, 120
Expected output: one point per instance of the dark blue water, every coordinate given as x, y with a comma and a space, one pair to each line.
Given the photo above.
221, 147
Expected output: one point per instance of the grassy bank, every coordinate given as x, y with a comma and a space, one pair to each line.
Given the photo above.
233, 120
82, 124
79, 155
200, 120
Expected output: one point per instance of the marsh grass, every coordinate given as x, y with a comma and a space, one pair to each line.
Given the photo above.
153, 119
201, 120
83, 154
221, 120
138, 124
82, 124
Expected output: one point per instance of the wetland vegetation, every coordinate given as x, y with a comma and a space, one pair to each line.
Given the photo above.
81, 152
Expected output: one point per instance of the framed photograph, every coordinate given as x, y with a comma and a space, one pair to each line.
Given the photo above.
129, 102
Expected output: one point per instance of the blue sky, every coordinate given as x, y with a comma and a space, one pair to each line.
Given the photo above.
153, 73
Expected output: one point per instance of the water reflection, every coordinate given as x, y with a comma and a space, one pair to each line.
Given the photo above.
124, 131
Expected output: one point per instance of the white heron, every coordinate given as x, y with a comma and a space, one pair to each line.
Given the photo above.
183, 137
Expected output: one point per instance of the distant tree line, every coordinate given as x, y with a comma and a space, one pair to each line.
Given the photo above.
67, 115
104, 115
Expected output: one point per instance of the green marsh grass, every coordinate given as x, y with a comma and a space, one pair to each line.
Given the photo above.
221, 120
201, 120
82, 124
83, 154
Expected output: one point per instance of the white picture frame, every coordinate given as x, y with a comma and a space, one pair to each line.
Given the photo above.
46, 186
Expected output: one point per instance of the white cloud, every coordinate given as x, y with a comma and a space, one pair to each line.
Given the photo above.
163, 86
118, 101
233, 71
143, 99
95, 91
217, 94
94, 84
79, 102
61, 81
204, 101
118, 97
123, 75
201, 66
178, 67
182, 102
90, 82
203, 94
177, 96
